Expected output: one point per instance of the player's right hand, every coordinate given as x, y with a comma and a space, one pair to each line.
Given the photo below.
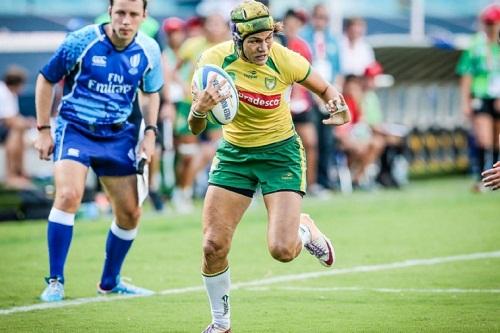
44, 144
213, 94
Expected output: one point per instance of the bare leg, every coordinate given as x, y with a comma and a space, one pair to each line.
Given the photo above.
222, 212
289, 230
283, 211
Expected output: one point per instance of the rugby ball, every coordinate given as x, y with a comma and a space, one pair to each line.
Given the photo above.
225, 111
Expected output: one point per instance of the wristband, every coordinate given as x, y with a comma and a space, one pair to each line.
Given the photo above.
151, 128
198, 115
42, 127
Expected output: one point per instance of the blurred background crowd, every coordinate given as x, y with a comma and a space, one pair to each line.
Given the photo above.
410, 71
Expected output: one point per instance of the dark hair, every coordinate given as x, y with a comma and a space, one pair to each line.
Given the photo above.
352, 78
145, 3
298, 14
354, 20
15, 76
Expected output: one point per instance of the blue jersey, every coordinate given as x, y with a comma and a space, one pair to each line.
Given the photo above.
101, 82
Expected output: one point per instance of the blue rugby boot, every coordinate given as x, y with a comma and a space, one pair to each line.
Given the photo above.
54, 292
125, 288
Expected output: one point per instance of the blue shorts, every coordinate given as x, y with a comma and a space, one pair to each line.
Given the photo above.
108, 149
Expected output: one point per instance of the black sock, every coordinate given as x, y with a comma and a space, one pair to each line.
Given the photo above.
481, 156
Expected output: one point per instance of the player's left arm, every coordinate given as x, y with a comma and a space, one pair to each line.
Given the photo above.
334, 101
150, 106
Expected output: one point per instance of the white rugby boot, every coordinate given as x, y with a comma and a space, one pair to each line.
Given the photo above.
212, 328
316, 242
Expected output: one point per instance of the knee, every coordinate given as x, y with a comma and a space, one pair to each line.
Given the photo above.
214, 250
129, 218
281, 252
68, 197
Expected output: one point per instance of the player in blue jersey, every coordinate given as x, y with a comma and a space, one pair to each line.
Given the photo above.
105, 67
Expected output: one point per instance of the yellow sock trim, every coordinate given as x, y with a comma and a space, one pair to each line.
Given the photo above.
215, 274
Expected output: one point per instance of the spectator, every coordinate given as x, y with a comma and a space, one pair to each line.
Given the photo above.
175, 93
362, 144
13, 126
301, 102
194, 26
387, 138
193, 155
357, 54
479, 67
326, 61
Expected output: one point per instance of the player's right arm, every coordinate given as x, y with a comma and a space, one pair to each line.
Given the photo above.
62, 62
43, 101
203, 102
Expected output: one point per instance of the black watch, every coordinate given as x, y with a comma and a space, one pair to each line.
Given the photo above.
152, 128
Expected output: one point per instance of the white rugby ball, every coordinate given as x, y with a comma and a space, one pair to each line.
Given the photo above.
225, 111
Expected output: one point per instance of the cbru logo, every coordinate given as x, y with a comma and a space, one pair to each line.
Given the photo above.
74, 152
260, 100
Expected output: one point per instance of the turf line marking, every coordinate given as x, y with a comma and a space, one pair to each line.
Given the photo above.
263, 282
384, 290
367, 268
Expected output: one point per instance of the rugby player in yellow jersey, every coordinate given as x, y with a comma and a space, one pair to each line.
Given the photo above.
260, 147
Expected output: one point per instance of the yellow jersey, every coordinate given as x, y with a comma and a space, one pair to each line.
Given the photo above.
264, 92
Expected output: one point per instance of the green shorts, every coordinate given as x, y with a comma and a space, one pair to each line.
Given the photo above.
276, 167
181, 127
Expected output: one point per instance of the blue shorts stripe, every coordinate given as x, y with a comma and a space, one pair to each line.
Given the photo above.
61, 144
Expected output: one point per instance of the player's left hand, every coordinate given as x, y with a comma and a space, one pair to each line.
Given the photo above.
491, 177
148, 145
338, 110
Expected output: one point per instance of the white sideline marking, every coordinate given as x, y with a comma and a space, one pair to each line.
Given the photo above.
368, 268
384, 290
262, 282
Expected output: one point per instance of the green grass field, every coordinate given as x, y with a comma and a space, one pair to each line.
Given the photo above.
453, 286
